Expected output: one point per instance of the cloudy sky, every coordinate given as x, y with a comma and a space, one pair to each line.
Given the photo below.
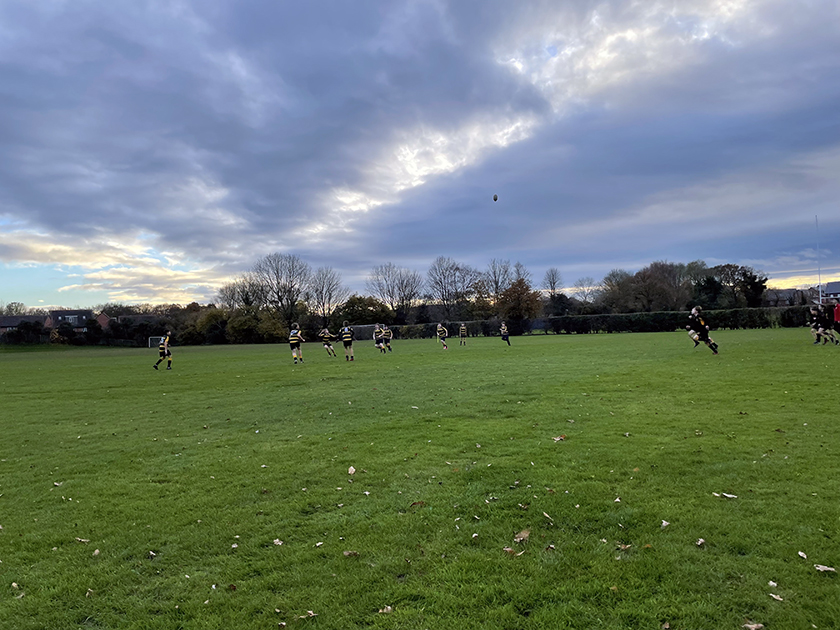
151, 150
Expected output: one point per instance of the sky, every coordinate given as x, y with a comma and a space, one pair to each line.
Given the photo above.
153, 150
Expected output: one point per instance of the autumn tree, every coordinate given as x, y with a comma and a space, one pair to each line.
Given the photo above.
518, 303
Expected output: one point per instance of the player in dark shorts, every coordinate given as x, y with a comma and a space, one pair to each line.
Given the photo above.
504, 332
442, 334
378, 342
698, 330
295, 339
387, 335
346, 334
164, 351
326, 338
825, 325
462, 334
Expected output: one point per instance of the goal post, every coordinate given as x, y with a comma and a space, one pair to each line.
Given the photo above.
154, 342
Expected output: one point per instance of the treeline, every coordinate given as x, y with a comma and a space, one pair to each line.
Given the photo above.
260, 305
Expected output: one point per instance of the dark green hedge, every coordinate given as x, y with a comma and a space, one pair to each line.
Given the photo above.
667, 321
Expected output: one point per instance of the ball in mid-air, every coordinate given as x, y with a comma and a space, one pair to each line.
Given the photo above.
495, 197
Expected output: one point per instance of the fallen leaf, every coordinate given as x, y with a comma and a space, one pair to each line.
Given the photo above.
386, 610
89, 593
823, 568
614, 589
277, 541
548, 517
617, 500
665, 524
351, 471
700, 542
776, 597
522, 536
753, 626
96, 552
509, 550
729, 496
550, 548
802, 555
559, 438
348, 554
83, 540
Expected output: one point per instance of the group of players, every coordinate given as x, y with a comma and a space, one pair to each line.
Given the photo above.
824, 321
382, 336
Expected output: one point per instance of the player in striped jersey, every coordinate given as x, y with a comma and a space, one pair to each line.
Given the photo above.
462, 333
295, 339
387, 335
442, 334
164, 351
347, 335
377, 338
326, 338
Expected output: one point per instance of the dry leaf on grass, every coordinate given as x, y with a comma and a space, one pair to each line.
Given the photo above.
386, 610
509, 550
83, 540
522, 536
664, 524
776, 597
278, 542
802, 555
729, 496
700, 542
348, 554
753, 626
559, 438
351, 471
823, 568
772, 584
548, 517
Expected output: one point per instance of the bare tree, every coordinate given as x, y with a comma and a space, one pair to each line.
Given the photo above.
498, 278
520, 272
397, 287
285, 280
552, 281
326, 293
585, 289
245, 291
451, 283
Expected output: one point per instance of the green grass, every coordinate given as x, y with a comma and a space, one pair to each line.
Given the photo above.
163, 472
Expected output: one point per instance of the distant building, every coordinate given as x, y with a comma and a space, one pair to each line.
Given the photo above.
11, 322
77, 318
831, 290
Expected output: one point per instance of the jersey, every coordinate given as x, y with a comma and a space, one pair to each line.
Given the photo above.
698, 325
462, 330
387, 334
295, 336
325, 336
347, 334
442, 332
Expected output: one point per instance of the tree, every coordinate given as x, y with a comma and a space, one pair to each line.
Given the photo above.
397, 287
585, 289
752, 284
662, 286
616, 293
519, 303
284, 280
364, 310
552, 281
520, 272
451, 283
326, 293
14, 308
497, 278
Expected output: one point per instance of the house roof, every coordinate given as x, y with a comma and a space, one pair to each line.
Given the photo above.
832, 287
10, 321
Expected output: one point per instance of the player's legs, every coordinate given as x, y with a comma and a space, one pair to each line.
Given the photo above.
168, 360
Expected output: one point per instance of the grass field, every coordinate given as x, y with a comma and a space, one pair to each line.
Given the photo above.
131, 498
